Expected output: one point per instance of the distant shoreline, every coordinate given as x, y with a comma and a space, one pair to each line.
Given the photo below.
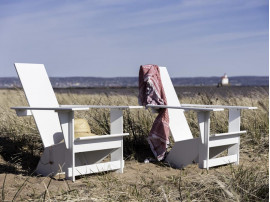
131, 87
125, 82
182, 91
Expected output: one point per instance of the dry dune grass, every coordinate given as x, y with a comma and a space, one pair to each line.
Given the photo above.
20, 148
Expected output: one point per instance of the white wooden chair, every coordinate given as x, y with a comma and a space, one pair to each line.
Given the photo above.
206, 148
56, 122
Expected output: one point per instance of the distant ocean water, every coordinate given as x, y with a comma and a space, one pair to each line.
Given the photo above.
90, 82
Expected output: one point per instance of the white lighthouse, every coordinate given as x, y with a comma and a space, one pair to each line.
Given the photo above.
225, 80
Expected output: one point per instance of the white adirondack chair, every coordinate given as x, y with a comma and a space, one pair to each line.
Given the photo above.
55, 122
206, 148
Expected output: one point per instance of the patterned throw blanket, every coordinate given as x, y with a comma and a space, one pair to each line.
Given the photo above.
151, 92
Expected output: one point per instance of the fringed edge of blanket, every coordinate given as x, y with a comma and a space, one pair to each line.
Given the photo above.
167, 142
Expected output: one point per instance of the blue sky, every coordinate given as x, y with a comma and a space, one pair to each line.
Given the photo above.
111, 38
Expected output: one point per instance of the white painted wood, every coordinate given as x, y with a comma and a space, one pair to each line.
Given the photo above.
228, 134
185, 108
234, 120
234, 149
57, 109
23, 112
64, 121
184, 153
204, 125
71, 142
101, 106
100, 167
215, 143
107, 136
36, 85
69, 161
135, 107
209, 147
206, 148
67, 124
221, 141
39, 92
76, 107
234, 126
57, 122
117, 127
220, 161
218, 106
178, 123
116, 121
97, 144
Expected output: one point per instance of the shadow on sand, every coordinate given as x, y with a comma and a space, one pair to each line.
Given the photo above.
20, 154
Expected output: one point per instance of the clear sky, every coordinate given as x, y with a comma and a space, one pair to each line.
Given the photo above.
111, 38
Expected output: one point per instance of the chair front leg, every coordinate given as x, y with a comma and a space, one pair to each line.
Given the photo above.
67, 123
234, 126
204, 125
117, 128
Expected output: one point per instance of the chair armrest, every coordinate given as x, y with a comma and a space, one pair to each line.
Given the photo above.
66, 113
185, 108
108, 136
22, 111
101, 106
218, 106
26, 111
71, 108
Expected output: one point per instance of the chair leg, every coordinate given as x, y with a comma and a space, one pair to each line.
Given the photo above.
117, 155
70, 155
234, 126
204, 125
235, 150
69, 163
71, 133
117, 127
73, 167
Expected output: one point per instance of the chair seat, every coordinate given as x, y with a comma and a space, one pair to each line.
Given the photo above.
95, 144
223, 139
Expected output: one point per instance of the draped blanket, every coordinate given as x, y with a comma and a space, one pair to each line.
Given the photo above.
151, 92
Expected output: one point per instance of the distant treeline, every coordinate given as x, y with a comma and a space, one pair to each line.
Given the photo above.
88, 82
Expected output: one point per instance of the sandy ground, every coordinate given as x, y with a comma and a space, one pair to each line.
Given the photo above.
91, 187
140, 181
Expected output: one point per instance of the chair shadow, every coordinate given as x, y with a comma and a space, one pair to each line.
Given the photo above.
19, 155
137, 148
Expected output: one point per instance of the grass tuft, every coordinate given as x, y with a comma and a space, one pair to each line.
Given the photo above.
21, 147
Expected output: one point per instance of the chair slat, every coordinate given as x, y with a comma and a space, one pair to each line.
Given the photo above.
178, 124
39, 93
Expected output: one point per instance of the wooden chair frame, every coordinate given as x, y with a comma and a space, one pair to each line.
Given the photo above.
205, 149
55, 122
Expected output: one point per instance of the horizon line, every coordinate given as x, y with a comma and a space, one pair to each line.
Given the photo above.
137, 77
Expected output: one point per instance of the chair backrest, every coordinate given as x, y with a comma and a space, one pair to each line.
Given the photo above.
39, 93
178, 124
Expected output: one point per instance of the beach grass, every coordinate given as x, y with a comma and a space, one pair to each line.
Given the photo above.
21, 147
